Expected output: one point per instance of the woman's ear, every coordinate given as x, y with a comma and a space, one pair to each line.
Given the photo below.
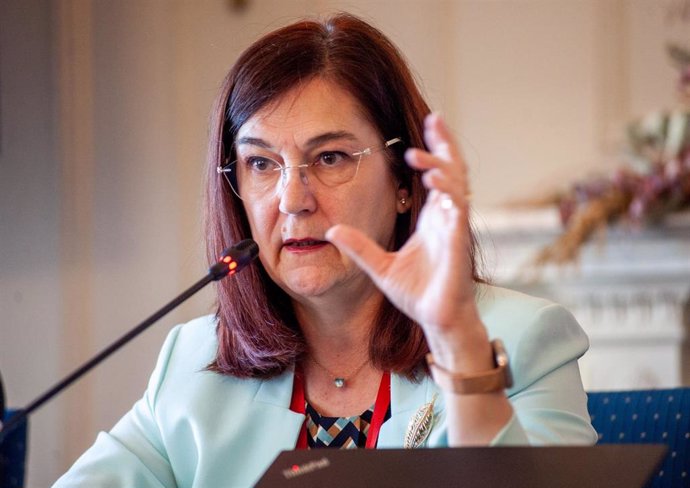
404, 203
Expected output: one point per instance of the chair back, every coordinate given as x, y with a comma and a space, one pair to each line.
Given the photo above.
647, 416
13, 455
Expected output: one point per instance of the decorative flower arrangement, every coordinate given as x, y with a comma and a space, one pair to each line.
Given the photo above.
654, 182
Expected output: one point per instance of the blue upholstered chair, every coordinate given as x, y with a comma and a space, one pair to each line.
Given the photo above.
13, 456
648, 416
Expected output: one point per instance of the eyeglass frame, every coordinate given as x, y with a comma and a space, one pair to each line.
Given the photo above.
368, 151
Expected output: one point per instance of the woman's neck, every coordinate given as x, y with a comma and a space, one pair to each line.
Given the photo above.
338, 337
337, 325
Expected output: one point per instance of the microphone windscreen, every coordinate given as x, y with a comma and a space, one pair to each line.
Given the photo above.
244, 252
235, 259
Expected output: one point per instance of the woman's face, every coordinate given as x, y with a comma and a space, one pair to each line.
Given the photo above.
290, 224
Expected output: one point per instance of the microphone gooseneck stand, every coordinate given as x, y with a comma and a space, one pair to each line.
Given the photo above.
233, 260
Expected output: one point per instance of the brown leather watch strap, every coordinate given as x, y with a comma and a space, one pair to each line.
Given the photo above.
495, 379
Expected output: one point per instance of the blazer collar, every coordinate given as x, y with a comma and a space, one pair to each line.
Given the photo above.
277, 391
408, 396
406, 399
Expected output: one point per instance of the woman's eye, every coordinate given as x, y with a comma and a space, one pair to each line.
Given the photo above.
331, 158
260, 164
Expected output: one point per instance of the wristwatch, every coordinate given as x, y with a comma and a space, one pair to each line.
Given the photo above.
496, 379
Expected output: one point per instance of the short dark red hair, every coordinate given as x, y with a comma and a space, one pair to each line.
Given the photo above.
258, 334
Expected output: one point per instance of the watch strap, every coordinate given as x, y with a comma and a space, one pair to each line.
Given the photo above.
496, 379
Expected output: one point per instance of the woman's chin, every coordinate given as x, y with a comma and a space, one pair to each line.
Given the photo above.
308, 285
308, 282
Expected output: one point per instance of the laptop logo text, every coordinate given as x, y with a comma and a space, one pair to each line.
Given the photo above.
299, 469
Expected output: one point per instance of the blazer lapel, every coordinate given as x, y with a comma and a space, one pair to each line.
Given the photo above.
272, 406
406, 399
279, 427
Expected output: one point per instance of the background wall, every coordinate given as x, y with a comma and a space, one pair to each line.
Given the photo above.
103, 109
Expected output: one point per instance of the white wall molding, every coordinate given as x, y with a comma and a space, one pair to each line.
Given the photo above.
630, 291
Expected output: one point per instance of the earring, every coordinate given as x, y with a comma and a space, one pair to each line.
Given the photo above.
403, 201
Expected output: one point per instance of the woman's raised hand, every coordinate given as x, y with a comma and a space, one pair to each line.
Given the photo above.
430, 277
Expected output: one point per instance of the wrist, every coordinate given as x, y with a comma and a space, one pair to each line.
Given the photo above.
464, 348
494, 379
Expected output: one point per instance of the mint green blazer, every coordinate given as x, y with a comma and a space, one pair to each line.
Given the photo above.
194, 428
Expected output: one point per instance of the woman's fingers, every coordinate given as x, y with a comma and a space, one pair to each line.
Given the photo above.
443, 165
443, 151
439, 139
360, 248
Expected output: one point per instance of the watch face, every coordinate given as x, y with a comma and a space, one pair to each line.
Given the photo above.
500, 354
501, 358
502, 361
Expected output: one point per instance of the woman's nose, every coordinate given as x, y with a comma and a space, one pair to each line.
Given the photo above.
294, 190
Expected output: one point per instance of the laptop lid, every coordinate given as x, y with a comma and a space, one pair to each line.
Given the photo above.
610, 466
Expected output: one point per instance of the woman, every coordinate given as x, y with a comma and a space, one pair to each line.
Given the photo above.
323, 151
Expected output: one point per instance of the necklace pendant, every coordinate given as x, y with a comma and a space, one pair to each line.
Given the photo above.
339, 382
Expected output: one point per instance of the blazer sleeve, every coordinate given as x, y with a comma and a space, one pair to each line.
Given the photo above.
133, 452
548, 399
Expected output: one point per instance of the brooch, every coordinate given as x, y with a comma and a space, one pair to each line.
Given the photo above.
420, 425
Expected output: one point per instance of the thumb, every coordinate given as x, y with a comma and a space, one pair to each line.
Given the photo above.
360, 248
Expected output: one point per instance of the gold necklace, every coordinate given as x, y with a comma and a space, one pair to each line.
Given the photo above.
340, 381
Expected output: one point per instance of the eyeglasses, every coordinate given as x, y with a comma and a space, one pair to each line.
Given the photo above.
259, 176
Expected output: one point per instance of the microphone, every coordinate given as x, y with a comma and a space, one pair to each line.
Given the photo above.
233, 260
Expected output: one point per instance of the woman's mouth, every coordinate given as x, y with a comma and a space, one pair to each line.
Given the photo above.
303, 245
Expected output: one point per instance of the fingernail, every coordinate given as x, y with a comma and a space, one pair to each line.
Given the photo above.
433, 116
410, 154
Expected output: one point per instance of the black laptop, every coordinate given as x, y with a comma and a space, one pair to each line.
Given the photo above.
610, 466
